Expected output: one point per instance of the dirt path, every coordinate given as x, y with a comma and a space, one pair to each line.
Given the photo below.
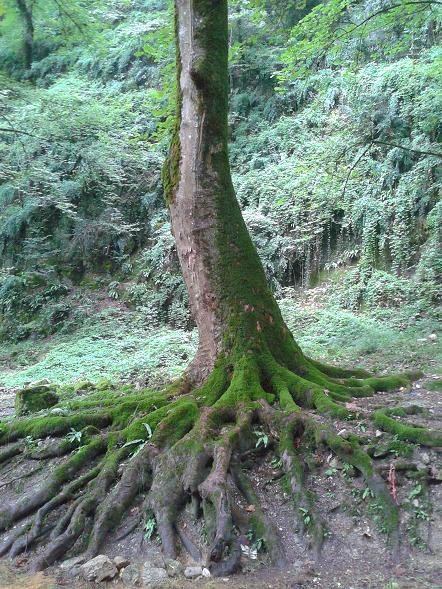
6, 402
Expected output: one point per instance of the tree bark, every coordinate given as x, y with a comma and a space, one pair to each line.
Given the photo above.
229, 296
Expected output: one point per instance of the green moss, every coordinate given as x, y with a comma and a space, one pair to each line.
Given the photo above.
403, 431
33, 399
245, 386
388, 383
434, 385
40, 427
170, 173
324, 404
83, 385
348, 450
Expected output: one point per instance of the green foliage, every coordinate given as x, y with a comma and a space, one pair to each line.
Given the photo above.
150, 526
114, 345
337, 166
74, 436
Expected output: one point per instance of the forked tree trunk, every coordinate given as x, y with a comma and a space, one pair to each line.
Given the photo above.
229, 297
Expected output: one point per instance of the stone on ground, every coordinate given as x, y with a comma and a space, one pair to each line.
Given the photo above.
100, 568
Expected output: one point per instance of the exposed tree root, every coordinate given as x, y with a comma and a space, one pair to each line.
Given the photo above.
184, 448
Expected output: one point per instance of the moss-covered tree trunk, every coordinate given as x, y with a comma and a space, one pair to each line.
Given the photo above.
248, 372
229, 296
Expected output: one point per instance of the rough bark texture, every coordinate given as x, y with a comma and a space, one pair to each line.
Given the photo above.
226, 282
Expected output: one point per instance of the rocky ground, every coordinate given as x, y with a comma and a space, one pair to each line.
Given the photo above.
355, 556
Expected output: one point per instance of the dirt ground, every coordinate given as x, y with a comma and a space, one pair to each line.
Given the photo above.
356, 554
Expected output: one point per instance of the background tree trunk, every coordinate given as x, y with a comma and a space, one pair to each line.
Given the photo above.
28, 45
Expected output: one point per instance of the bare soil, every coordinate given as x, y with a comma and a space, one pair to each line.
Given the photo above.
355, 556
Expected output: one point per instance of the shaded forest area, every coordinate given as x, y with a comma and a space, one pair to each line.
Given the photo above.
335, 136
334, 131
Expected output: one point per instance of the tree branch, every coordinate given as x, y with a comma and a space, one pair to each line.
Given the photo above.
377, 13
352, 167
9, 130
433, 153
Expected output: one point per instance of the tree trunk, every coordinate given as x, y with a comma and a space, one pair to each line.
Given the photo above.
28, 45
229, 296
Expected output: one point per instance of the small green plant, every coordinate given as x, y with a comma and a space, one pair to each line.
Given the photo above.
259, 545
276, 463
74, 436
330, 472
415, 492
139, 443
30, 442
367, 494
256, 544
262, 438
306, 517
423, 515
150, 526
347, 470
149, 430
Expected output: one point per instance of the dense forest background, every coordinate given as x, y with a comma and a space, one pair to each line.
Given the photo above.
336, 132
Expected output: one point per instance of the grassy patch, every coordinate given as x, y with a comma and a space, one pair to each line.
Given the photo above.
122, 345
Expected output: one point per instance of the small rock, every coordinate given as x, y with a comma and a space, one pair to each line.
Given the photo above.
193, 572
426, 458
432, 337
34, 398
436, 474
131, 575
153, 576
70, 563
57, 411
416, 502
120, 562
156, 560
378, 433
100, 568
174, 568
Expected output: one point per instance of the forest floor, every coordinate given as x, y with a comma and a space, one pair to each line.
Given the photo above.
356, 555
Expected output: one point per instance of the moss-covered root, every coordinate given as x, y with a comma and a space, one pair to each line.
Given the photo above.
384, 420
198, 468
28, 504
196, 438
10, 451
260, 524
36, 529
351, 452
135, 478
294, 441
85, 506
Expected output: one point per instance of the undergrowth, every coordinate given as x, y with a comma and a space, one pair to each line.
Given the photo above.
119, 343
